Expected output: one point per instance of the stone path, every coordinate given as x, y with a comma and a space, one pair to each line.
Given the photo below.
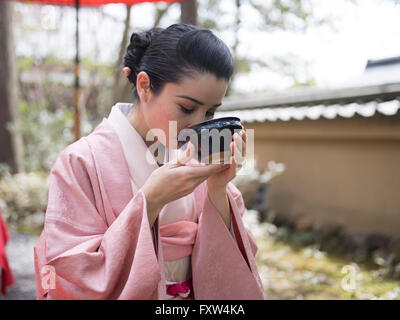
20, 257
286, 272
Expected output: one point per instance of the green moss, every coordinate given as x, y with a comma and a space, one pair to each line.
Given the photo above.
296, 271
27, 230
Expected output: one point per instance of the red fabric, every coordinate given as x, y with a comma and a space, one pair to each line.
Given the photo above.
184, 288
92, 3
239, 238
7, 278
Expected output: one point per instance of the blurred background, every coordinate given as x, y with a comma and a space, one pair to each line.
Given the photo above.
317, 81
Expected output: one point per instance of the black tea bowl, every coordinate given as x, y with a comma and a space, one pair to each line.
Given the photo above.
211, 139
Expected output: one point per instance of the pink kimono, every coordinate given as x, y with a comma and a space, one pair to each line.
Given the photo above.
97, 242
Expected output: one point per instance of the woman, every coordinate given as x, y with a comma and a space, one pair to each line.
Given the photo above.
121, 225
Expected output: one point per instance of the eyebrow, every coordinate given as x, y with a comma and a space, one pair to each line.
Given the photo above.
197, 101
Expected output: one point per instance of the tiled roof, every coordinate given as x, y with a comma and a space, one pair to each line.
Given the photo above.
369, 109
316, 105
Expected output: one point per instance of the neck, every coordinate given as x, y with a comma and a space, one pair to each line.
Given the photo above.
136, 119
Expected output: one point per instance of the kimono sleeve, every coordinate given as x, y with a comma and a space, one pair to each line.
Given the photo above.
224, 267
88, 257
237, 198
237, 207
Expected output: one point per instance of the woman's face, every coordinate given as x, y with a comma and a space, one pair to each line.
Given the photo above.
193, 100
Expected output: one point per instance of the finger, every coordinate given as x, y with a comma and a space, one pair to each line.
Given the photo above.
181, 156
238, 143
184, 156
237, 165
243, 149
238, 150
243, 142
243, 135
239, 160
244, 138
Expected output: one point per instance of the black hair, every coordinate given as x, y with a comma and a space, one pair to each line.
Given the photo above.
168, 55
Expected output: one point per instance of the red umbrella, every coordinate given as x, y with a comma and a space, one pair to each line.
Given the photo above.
91, 3
78, 4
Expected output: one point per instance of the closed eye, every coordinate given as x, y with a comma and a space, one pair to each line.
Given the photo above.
187, 111
184, 110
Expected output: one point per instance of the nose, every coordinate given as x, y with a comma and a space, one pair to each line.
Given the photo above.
194, 119
200, 117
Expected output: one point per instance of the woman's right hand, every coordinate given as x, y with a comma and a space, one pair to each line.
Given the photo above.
175, 180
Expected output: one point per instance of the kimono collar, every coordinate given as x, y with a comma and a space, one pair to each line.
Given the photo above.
141, 164
140, 160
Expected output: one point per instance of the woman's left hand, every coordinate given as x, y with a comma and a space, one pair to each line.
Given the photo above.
219, 181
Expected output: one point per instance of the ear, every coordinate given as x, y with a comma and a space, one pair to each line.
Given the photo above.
143, 86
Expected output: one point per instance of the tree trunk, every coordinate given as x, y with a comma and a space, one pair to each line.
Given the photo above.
235, 46
189, 12
10, 144
123, 89
118, 89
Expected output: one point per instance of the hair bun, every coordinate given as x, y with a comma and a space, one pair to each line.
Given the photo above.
138, 45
